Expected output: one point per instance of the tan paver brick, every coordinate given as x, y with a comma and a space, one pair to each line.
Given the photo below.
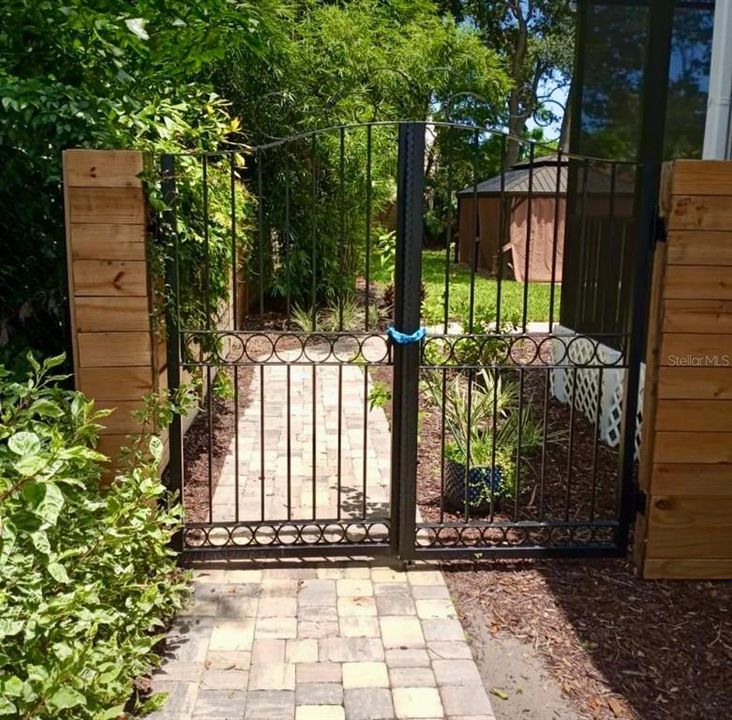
272, 676
398, 631
301, 651
224, 680
232, 635
354, 588
232, 660
359, 626
320, 672
435, 609
356, 606
443, 629
276, 628
412, 677
365, 674
320, 712
417, 703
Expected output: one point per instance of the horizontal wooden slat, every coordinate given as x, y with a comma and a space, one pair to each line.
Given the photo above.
689, 383
685, 569
690, 527
691, 350
689, 247
110, 277
691, 511
110, 445
107, 242
701, 177
113, 384
692, 479
703, 212
114, 349
100, 314
697, 316
121, 420
107, 205
689, 447
701, 282
103, 168
701, 415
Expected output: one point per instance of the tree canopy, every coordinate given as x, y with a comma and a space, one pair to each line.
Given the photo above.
160, 75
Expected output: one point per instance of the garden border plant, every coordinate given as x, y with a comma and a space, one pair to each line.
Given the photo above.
87, 578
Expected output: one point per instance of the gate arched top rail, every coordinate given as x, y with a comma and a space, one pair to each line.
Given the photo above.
466, 127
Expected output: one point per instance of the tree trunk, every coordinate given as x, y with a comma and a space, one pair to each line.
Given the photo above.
516, 116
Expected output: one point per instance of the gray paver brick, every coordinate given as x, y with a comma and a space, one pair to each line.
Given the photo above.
319, 694
220, 705
270, 705
335, 649
368, 704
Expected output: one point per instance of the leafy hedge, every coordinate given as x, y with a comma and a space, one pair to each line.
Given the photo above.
86, 575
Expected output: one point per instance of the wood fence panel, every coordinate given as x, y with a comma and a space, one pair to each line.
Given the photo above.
686, 462
109, 296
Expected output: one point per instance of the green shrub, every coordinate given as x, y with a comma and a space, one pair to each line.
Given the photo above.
87, 580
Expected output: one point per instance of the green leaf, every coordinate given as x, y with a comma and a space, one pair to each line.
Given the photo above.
24, 443
31, 465
58, 572
50, 507
46, 408
62, 651
66, 697
12, 686
7, 543
33, 493
8, 628
40, 541
6, 707
54, 361
156, 448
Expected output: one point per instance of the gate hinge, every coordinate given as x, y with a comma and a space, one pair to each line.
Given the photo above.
640, 501
659, 231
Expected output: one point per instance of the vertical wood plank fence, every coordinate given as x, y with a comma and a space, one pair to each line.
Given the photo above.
686, 463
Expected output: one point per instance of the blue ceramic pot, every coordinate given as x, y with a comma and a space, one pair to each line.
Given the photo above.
480, 481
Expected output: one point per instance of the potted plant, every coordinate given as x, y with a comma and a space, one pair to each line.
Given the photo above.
484, 424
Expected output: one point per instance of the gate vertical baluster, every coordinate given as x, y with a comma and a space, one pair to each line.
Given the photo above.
407, 282
341, 299
210, 336
314, 290
234, 326
172, 325
367, 309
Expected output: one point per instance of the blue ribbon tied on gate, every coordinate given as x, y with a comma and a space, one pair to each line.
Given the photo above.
401, 338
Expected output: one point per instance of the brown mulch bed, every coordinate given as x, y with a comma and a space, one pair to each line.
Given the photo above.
620, 646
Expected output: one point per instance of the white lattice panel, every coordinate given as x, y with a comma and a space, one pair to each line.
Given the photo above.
570, 383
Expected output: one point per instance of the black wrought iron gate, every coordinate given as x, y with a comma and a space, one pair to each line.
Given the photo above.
429, 367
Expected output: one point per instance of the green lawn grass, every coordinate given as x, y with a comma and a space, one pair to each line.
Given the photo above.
486, 293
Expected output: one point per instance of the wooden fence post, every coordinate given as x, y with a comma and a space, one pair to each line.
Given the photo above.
111, 309
686, 462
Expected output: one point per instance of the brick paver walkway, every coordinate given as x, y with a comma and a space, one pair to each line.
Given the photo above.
328, 640
335, 461
325, 642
